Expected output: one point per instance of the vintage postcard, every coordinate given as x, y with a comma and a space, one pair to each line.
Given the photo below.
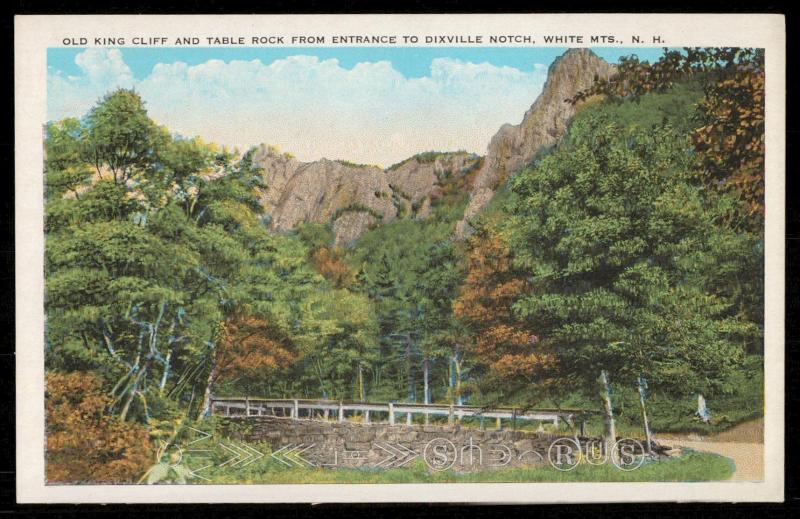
459, 258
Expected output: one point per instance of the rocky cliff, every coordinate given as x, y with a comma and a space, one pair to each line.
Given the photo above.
352, 197
420, 179
543, 125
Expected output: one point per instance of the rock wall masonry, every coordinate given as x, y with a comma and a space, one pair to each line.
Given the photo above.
378, 445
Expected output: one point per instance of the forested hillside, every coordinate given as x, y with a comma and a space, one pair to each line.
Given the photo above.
627, 257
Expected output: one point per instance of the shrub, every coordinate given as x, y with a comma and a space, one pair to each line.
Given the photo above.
84, 443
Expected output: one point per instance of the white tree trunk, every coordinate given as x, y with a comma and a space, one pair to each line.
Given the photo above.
609, 429
360, 383
207, 393
647, 434
425, 376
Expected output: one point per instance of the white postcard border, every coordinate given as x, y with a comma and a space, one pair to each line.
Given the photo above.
34, 34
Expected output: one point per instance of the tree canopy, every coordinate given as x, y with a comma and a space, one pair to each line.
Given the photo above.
632, 250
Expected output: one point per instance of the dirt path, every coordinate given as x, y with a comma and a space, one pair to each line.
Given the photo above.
744, 444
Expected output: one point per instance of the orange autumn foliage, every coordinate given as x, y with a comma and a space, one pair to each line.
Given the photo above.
491, 287
328, 262
85, 444
731, 142
251, 346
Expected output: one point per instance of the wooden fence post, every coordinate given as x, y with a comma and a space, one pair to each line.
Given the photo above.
391, 413
296, 410
341, 412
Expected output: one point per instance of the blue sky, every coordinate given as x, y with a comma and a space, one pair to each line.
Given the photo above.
411, 62
373, 105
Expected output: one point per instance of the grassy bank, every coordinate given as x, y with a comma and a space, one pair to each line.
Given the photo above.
690, 467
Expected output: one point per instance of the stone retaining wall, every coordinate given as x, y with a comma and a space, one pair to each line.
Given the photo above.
347, 444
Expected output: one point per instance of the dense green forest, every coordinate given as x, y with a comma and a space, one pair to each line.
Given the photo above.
631, 253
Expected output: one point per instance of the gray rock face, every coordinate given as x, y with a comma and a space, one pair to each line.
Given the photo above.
543, 125
352, 197
315, 191
351, 225
420, 178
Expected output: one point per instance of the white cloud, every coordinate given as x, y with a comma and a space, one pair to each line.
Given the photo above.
102, 70
314, 108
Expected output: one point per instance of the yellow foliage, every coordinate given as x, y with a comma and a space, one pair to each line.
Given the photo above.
84, 443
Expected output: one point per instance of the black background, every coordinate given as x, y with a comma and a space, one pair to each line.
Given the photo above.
791, 507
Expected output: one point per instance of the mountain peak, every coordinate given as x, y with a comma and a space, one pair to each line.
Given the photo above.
515, 146
355, 197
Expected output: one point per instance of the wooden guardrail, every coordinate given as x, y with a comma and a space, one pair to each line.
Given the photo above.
387, 412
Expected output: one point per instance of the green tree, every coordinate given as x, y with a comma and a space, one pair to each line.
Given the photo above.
389, 286
66, 170
340, 342
120, 140
441, 335
145, 261
729, 133
605, 224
